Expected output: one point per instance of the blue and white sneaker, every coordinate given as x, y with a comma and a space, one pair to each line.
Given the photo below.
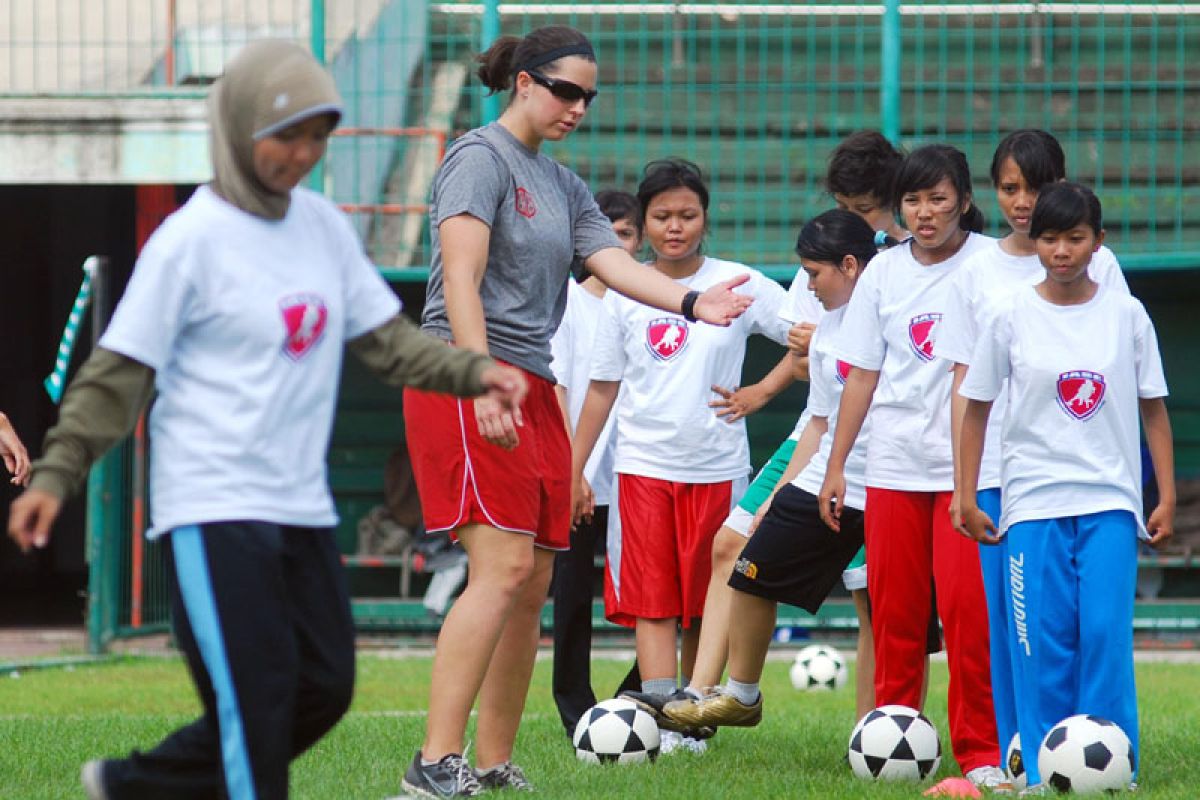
452, 776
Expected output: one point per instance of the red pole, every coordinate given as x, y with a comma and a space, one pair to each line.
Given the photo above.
152, 204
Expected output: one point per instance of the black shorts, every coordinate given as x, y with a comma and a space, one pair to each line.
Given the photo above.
793, 557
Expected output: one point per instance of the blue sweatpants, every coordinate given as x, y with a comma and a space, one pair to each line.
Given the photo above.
1071, 588
993, 560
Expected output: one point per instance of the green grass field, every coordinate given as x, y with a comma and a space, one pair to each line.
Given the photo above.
51, 720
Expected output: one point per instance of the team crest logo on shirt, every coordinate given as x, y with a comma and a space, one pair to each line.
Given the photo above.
304, 317
922, 333
842, 371
666, 337
525, 205
1081, 393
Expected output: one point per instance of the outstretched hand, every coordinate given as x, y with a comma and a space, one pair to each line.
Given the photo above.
720, 305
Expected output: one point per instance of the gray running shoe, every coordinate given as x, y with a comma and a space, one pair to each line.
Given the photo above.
505, 776
450, 777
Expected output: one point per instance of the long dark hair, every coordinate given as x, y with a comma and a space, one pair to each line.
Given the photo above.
835, 234
499, 64
1037, 154
924, 167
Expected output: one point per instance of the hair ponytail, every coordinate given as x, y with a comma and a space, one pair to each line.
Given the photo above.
972, 219
496, 64
540, 48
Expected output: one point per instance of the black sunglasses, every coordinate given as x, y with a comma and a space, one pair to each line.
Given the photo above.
564, 90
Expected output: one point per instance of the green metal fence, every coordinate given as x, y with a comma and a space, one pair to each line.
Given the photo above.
757, 93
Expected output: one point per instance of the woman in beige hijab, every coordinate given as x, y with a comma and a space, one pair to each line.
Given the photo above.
237, 315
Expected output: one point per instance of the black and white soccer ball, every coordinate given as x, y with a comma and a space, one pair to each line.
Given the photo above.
894, 743
616, 731
819, 667
1086, 755
1014, 764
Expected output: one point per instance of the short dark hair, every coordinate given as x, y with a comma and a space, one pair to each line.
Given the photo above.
671, 173
835, 234
865, 162
1062, 206
1037, 154
617, 205
924, 167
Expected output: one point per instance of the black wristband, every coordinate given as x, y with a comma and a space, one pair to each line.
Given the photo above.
688, 306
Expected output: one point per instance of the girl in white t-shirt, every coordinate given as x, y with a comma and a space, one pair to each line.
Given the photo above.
238, 313
888, 334
679, 466
793, 556
1025, 161
1080, 360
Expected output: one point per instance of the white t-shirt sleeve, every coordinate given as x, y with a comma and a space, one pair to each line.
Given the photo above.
802, 305
1106, 271
958, 329
159, 301
370, 302
990, 362
1150, 378
562, 346
608, 350
766, 313
860, 341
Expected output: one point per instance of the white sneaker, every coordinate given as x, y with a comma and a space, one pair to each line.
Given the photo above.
992, 778
674, 742
93, 783
669, 742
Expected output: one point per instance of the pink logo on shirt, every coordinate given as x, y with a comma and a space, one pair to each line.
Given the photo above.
922, 333
666, 337
843, 371
525, 205
304, 317
1081, 393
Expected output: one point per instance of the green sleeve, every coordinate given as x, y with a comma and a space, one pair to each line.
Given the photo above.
100, 408
401, 355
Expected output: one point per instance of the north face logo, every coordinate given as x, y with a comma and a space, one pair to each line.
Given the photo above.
1080, 393
304, 317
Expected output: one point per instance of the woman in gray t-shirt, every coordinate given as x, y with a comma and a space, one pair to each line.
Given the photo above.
506, 224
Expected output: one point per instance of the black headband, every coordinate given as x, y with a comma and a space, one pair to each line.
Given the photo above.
580, 49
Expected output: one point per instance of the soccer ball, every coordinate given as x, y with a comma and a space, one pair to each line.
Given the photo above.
1014, 764
894, 743
616, 731
818, 667
1086, 755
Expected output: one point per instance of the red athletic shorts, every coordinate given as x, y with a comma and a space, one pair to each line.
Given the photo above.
663, 563
463, 479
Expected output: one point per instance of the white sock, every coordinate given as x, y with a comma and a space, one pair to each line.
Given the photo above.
744, 693
658, 686
694, 693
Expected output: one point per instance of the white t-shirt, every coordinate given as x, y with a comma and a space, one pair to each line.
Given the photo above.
1075, 373
571, 350
890, 325
987, 279
667, 366
244, 320
801, 306
827, 376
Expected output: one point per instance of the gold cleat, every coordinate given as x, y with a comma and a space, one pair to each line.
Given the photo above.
715, 709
